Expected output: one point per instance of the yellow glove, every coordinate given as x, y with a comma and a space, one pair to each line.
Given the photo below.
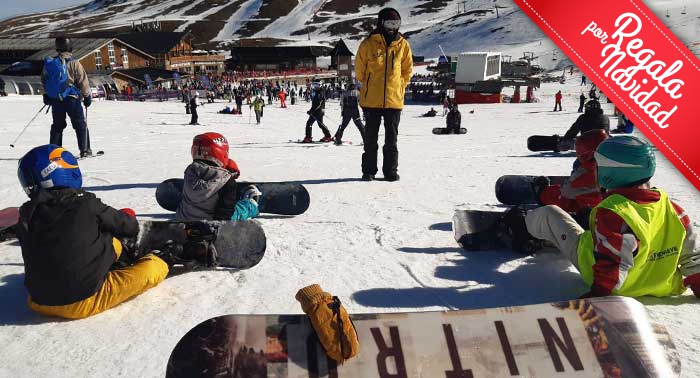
331, 323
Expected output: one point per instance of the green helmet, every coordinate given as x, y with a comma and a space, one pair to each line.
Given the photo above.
624, 161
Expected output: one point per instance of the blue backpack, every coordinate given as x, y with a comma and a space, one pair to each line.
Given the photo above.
56, 79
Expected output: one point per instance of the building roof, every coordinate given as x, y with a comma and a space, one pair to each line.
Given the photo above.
153, 42
252, 53
82, 47
341, 49
26, 43
156, 74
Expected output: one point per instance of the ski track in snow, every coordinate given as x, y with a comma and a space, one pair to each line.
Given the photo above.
379, 246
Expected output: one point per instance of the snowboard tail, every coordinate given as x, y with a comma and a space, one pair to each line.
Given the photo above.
277, 198
554, 143
597, 337
520, 189
445, 131
9, 217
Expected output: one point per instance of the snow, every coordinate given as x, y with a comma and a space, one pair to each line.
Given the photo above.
379, 246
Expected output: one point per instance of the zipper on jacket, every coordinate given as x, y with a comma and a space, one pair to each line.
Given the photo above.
369, 75
386, 64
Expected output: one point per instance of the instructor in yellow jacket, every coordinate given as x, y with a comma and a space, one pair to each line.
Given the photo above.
383, 68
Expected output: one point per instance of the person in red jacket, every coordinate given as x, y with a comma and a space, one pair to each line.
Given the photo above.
283, 97
557, 99
580, 192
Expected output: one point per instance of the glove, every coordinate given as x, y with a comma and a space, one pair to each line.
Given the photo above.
693, 282
47, 100
128, 211
232, 167
331, 322
87, 101
252, 193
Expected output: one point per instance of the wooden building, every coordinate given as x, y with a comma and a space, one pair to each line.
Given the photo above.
341, 60
275, 58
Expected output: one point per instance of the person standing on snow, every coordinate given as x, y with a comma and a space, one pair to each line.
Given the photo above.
350, 111
193, 109
257, 105
640, 241
318, 104
557, 101
583, 80
582, 102
65, 82
383, 67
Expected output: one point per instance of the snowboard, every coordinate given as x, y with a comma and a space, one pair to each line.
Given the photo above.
239, 245
443, 131
8, 219
520, 190
597, 337
277, 197
553, 143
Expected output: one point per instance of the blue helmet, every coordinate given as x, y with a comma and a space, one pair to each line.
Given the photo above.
624, 161
48, 166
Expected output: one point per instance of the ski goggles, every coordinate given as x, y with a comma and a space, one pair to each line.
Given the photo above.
391, 24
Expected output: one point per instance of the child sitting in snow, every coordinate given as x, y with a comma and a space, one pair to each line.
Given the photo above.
210, 189
640, 242
69, 241
580, 192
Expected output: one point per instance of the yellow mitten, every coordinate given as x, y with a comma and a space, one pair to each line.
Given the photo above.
331, 323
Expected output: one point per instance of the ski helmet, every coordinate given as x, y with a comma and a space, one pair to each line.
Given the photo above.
392, 16
592, 105
211, 147
64, 44
587, 143
48, 166
624, 161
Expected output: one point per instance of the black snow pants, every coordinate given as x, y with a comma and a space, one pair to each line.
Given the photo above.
316, 117
73, 108
355, 117
373, 117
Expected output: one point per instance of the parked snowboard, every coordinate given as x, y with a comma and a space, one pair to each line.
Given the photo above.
520, 189
8, 219
598, 337
444, 131
238, 245
277, 198
553, 143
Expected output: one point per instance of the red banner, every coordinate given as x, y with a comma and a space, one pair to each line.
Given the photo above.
638, 63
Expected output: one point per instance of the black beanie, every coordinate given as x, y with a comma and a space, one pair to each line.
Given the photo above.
387, 14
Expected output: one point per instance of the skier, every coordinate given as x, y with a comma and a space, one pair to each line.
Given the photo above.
383, 65
318, 104
557, 101
592, 119
580, 192
239, 102
582, 102
257, 105
454, 120
350, 111
69, 241
209, 191
193, 108
283, 97
583, 80
65, 82
640, 242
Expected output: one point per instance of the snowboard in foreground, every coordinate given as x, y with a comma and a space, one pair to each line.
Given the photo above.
444, 131
238, 245
600, 337
277, 198
553, 143
8, 219
520, 189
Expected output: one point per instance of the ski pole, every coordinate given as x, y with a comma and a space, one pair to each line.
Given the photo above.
25, 127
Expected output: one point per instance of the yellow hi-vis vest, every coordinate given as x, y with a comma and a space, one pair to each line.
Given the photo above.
661, 235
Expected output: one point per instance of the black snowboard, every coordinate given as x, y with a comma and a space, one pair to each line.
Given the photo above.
443, 131
238, 245
520, 190
277, 197
482, 230
8, 219
553, 143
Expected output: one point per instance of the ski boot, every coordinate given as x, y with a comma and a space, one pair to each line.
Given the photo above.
307, 140
538, 186
513, 232
326, 139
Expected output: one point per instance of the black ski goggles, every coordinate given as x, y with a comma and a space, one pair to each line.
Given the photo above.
391, 24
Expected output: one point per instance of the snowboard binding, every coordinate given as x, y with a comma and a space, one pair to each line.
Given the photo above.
512, 232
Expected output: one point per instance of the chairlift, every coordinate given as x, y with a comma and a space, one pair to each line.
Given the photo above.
668, 14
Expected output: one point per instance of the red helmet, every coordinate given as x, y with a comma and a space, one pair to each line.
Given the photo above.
587, 143
211, 147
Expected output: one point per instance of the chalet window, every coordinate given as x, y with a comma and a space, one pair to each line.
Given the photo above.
125, 58
110, 51
98, 60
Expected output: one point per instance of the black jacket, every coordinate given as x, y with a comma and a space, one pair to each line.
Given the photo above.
350, 104
66, 238
454, 119
318, 103
591, 120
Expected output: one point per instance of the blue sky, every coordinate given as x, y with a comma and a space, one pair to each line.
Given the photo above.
14, 7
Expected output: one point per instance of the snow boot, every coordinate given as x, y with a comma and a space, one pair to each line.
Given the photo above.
307, 140
367, 177
514, 232
326, 139
392, 178
538, 185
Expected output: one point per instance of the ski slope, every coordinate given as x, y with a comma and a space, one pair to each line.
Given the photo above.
379, 246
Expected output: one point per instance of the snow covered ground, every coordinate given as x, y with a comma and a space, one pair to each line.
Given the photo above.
379, 246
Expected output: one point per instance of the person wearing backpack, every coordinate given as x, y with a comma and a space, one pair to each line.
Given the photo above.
65, 83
